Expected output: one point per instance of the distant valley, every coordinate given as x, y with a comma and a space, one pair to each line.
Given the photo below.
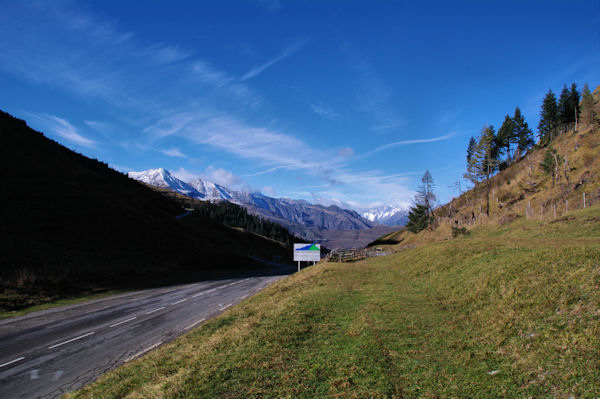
329, 225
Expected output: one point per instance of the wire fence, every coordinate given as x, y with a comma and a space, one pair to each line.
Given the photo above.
530, 209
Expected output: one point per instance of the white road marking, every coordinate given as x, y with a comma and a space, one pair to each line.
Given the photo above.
245, 296
194, 324
178, 302
142, 352
35, 374
205, 292
124, 321
12, 361
71, 340
155, 310
57, 375
226, 306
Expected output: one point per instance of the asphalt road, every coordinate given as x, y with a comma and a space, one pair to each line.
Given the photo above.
48, 353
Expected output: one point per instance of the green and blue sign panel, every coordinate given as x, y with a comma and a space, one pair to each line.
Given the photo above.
307, 252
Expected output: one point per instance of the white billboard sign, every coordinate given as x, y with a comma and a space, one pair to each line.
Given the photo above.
307, 252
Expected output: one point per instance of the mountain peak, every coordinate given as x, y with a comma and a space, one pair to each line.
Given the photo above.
300, 216
387, 214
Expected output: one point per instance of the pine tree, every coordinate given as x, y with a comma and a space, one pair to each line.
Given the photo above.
425, 195
522, 132
574, 98
471, 148
565, 113
548, 119
588, 113
484, 161
418, 218
506, 136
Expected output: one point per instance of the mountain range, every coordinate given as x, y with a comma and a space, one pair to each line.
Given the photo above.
387, 215
300, 217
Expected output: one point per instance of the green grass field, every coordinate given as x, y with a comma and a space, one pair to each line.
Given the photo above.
510, 311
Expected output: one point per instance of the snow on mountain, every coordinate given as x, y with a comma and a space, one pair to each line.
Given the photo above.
387, 215
164, 179
212, 190
299, 216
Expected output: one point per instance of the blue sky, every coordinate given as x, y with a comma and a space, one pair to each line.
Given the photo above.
336, 102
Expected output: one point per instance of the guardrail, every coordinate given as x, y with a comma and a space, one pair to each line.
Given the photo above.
353, 255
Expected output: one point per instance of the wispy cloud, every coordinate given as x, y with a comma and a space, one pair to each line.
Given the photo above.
289, 50
212, 174
324, 111
64, 129
163, 53
269, 190
346, 152
233, 136
215, 110
407, 142
374, 96
173, 152
223, 177
185, 174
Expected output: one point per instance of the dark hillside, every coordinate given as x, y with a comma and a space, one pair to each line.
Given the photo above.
71, 224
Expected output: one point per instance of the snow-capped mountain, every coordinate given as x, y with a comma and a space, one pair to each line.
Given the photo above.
212, 190
300, 217
387, 215
164, 179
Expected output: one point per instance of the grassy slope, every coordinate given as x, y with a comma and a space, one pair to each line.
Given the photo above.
520, 186
432, 321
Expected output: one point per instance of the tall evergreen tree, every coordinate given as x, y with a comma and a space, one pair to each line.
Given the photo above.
522, 132
418, 218
425, 195
574, 99
588, 113
565, 112
421, 216
471, 149
507, 137
484, 161
548, 119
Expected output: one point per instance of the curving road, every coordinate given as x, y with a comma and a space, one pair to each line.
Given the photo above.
48, 353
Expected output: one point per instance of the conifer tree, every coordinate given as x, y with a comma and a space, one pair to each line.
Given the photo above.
425, 195
418, 218
588, 113
574, 107
565, 114
522, 132
484, 161
506, 136
471, 149
421, 215
548, 119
